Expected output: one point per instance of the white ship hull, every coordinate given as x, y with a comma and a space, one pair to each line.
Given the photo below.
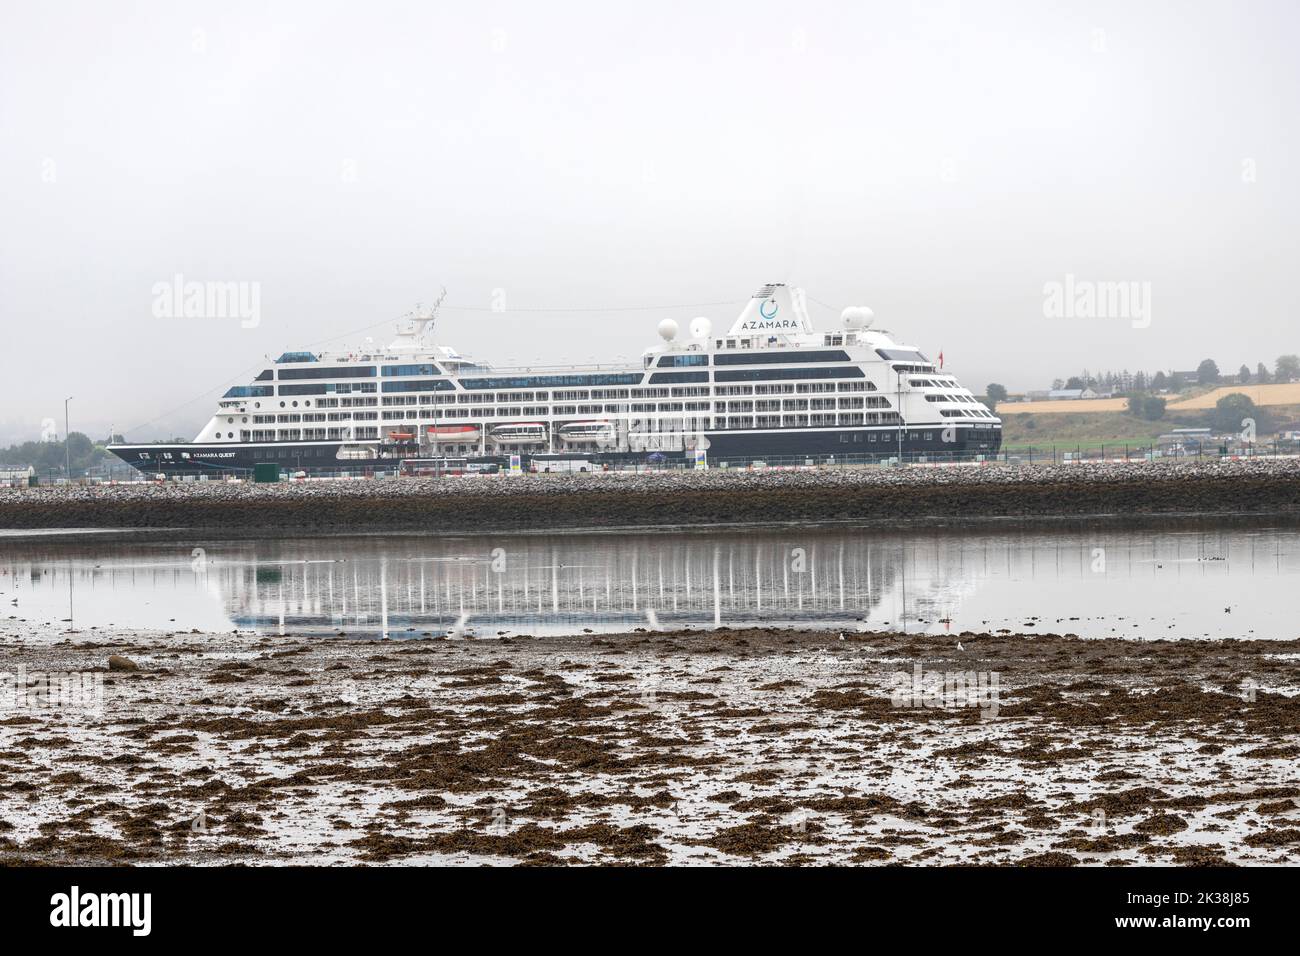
770, 386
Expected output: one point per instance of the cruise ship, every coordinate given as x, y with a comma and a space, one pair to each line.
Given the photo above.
770, 388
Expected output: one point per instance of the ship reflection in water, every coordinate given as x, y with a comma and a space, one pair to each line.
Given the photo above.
559, 585
1141, 584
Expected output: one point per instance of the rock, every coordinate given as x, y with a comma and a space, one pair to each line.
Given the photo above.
117, 662
672, 498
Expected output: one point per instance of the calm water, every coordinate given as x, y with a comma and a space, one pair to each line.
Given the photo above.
1141, 583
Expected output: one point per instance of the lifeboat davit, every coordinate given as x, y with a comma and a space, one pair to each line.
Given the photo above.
520, 433
454, 433
587, 432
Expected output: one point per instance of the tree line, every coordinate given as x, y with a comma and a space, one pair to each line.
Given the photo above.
52, 456
1286, 368
1141, 389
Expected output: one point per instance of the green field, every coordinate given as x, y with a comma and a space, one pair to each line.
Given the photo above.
1084, 430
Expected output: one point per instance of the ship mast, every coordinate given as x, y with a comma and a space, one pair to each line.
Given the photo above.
433, 311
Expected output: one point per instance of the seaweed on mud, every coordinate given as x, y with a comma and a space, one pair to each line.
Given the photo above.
1084, 762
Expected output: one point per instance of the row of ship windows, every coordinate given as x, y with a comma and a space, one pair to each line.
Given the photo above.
694, 359
688, 360
614, 409
934, 382
973, 434
429, 370
760, 356
371, 434
442, 384
477, 385
961, 398
973, 408
541, 396
688, 425
592, 409
299, 419
872, 401
758, 374
647, 408
762, 405
863, 385
349, 371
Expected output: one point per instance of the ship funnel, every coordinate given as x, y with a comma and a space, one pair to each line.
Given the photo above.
775, 309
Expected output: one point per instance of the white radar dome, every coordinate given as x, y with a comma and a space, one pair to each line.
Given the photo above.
857, 317
668, 330
701, 327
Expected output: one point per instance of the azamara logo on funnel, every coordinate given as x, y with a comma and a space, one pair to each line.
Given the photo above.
768, 310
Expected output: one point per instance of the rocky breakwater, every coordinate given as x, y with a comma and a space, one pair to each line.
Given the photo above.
539, 502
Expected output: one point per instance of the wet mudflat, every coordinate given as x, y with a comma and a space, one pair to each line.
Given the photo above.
692, 746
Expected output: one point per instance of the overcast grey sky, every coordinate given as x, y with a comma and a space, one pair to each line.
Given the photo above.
939, 162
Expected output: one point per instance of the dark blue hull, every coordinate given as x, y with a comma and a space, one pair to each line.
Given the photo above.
231, 458
732, 447
854, 443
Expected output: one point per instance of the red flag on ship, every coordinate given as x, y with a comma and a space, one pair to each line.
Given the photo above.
941, 359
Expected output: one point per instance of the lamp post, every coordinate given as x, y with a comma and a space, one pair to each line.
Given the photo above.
899, 398
67, 448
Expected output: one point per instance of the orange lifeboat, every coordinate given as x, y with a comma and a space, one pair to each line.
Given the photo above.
454, 433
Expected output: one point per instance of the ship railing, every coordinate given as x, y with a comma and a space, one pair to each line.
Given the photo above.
470, 371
